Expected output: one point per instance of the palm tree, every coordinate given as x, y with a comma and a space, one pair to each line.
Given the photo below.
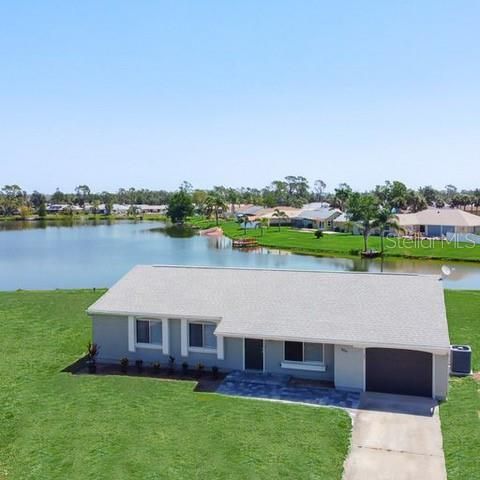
264, 222
281, 215
215, 204
244, 219
476, 199
363, 210
385, 219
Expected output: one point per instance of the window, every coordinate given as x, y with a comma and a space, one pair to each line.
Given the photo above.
201, 335
303, 352
149, 331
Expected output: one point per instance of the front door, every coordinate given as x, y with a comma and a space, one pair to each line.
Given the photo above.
253, 354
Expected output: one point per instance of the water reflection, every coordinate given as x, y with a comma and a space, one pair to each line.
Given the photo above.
67, 253
175, 231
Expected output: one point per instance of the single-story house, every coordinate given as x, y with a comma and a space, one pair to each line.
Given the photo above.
271, 215
321, 218
438, 222
359, 331
143, 208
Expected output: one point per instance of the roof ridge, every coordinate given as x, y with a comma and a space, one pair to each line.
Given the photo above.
263, 269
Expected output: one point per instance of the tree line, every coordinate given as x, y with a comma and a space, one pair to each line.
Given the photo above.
292, 191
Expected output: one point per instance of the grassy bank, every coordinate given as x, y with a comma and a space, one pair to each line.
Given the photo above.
54, 425
341, 244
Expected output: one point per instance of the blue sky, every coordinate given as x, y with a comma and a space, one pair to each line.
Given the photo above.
149, 93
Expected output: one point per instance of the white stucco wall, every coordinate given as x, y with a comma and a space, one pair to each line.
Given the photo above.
442, 371
349, 368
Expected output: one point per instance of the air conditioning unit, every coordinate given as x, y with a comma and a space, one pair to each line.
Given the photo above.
461, 360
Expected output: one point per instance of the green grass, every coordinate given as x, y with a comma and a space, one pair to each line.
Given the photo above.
460, 415
55, 425
342, 244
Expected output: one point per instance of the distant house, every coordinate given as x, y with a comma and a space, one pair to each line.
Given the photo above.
271, 215
439, 222
342, 223
322, 218
117, 209
56, 207
359, 331
160, 209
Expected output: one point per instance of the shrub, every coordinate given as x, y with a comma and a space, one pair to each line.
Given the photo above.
215, 371
124, 364
185, 367
318, 233
156, 366
139, 365
200, 368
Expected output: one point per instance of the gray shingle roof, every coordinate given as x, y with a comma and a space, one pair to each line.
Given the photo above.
320, 214
345, 308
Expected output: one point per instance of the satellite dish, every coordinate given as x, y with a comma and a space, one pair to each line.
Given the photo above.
446, 270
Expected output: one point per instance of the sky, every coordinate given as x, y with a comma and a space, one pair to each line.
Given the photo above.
147, 94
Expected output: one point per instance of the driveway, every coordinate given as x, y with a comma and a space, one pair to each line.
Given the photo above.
395, 438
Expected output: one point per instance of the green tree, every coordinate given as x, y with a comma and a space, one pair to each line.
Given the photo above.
132, 211
384, 220
42, 209
95, 205
215, 204
362, 208
12, 197
416, 201
264, 223
476, 199
341, 196
319, 187
58, 197
199, 197
82, 194
180, 205
279, 215
233, 197
243, 220
24, 212
393, 194
36, 198
429, 193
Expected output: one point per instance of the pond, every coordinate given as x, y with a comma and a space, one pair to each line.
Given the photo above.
46, 255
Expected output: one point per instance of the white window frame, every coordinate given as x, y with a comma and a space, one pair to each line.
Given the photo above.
200, 349
304, 365
153, 346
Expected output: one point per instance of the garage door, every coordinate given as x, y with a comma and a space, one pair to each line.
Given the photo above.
404, 372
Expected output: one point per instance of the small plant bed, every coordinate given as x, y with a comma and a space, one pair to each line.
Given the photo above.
208, 379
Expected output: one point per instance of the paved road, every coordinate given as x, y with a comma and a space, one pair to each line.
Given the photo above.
396, 438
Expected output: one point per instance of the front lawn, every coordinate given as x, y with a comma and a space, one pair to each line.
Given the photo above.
460, 415
340, 244
55, 425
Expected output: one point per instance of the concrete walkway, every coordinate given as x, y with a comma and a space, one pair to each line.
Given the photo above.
396, 438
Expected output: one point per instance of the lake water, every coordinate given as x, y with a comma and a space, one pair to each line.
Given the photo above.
36, 255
